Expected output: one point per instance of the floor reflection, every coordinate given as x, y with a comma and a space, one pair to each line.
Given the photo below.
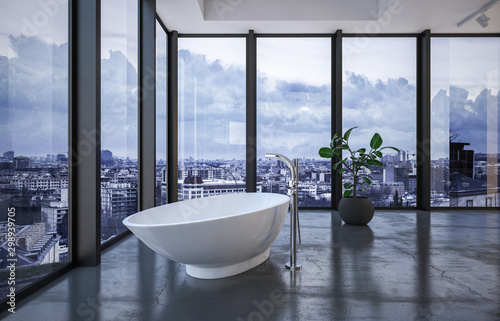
423, 286
247, 295
403, 265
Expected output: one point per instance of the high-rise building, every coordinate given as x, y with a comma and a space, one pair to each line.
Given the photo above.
9, 155
106, 158
118, 199
461, 160
21, 162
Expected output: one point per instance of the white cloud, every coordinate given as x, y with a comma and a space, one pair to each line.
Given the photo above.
381, 58
303, 60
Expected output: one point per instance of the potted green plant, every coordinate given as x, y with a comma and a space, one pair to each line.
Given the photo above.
354, 209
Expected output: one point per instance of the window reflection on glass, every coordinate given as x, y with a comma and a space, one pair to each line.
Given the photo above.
294, 115
161, 115
465, 122
118, 115
34, 142
379, 95
212, 114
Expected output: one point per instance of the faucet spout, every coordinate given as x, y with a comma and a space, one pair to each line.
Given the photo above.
285, 160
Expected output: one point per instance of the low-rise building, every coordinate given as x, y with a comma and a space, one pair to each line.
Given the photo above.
34, 182
195, 187
469, 192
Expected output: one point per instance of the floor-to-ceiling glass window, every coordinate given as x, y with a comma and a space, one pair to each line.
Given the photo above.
33, 142
161, 115
294, 115
465, 122
379, 96
212, 112
119, 112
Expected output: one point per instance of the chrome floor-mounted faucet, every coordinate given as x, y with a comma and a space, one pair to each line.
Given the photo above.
292, 265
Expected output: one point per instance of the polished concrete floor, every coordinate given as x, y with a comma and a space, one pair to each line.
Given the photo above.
402, 266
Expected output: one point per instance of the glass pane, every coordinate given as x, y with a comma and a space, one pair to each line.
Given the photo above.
212, 111
118, 115
161, 116
294, 115
33, 142
465, 125
379, 96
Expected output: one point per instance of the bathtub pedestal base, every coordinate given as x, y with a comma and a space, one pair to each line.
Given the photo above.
216, 271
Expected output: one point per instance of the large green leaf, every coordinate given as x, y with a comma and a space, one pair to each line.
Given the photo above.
358, 163
342, 170
367, 180
347, 193
364, 175
374, 162
361, 151
325, 152
348, 132
378, 154
397, 150
376, 141
348, 185
343, 146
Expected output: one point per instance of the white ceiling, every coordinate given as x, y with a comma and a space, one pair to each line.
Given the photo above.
324, 16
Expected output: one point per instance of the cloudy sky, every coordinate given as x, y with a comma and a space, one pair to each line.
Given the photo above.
119, 28
294, 89
465, 93
293, 96
32, 18
34, 98
212, 98
379, 93
34, 77
380, 58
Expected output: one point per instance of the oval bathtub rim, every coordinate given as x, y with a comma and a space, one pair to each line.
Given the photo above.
127, 223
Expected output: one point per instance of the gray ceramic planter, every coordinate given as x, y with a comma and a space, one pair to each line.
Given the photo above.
356, 211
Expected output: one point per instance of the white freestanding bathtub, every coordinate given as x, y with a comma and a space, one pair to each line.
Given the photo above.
216, 236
